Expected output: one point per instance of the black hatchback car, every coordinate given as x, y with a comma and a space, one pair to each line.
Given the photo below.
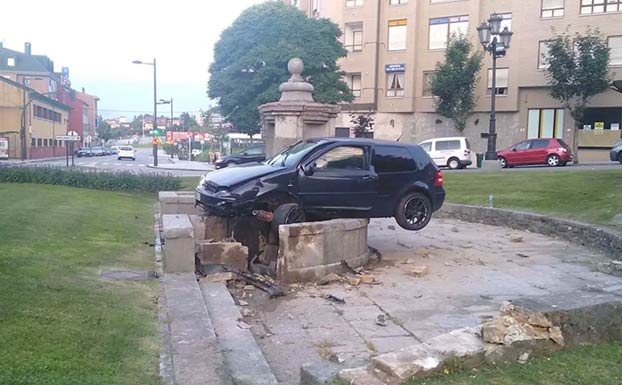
332, 178
250, 155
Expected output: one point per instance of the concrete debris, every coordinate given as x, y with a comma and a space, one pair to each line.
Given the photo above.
329, 278
523, 358
354, 281
243, 325
516, 238
247, 312
367, 279
616, 265
454, 229
243, 303
419, 271
249, 288
422, 252
381, 320
515, 324
408, 262
219, 277
336, 299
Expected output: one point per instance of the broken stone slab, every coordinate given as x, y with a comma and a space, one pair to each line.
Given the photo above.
217, 228
359, 376
178, 202
463, 346
232, 254
198, 226
413, 361
419, 271
219, 277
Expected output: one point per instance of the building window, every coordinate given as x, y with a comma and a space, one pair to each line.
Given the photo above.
552, 8
395, 84
354, 3
543, 55
33, 142
10, 62
428, 77
354, 82
397, 35
503, 75
615, 50
398, 2
354, 37
600, 6
441, 29
545, 123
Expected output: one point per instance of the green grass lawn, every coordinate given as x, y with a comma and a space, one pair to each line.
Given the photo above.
59, 322
588, 196
587, 365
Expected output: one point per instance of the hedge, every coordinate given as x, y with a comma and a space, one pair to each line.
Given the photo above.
98, 180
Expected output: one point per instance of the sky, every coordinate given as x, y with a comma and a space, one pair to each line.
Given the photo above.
98, 40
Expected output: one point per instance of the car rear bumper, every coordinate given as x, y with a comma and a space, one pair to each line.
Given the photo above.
466, 162
438, 198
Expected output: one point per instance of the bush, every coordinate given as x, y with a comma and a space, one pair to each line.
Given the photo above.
98, 180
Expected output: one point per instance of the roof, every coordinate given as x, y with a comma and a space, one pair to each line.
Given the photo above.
35, 95
25, 62
445, 138
364, 141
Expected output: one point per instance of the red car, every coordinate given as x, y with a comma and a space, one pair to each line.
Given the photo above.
553, 152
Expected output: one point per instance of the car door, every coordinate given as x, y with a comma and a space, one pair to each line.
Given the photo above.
537, 151
339, 179
396, 169
254, 154
518, 155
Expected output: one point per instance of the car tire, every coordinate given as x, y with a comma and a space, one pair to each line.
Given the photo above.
231, 164
286, 214
134, 159
453, 163
414, 211
503, 161
553, 160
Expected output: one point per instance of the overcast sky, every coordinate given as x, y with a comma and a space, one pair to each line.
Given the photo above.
98, 40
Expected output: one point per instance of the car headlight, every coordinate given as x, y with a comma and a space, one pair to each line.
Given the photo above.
202, 181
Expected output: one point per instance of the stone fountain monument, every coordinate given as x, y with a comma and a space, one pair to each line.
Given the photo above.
296, 115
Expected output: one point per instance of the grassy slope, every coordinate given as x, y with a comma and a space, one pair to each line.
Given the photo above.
60, 323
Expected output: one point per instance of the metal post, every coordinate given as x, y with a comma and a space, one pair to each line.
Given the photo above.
73, 152
67, 145
171, 114
22, 131
155, 114
491, 152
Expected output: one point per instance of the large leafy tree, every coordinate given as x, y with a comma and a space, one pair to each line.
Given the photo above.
453, 85
250, 61
577, 71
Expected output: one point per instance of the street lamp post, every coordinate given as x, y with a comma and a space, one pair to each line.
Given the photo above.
163, 101
155, 108
497, 47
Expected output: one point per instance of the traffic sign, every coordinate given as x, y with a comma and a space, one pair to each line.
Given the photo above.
156, 140
68, 138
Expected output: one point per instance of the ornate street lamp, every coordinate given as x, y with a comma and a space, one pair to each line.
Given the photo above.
496, 42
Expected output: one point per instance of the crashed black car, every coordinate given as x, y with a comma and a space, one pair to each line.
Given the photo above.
330, 178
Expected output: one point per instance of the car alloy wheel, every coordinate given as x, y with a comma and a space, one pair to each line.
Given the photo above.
504, 162
285, 214
553, 160
453, 163
414, 211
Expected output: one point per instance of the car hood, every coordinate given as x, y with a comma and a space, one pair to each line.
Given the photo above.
231, 176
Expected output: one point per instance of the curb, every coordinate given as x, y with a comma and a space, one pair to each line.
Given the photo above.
176, 169
603, 239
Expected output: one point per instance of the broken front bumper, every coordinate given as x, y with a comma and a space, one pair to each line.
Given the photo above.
221, 204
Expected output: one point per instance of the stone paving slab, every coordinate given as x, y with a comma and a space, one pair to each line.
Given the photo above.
472, 269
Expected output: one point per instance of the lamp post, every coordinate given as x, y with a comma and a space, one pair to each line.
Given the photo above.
163, 101
497, 47
155, 108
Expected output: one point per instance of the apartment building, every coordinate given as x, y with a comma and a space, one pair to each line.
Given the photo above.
394, 45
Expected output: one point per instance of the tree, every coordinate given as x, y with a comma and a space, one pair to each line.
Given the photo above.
454, 83
105, 131
188, 122
250, 61
361, 125
576, 72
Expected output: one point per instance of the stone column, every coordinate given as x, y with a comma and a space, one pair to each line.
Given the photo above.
296, 115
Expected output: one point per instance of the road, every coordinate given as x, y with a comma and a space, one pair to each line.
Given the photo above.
144, 158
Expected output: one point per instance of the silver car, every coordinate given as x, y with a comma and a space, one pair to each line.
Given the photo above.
616, 152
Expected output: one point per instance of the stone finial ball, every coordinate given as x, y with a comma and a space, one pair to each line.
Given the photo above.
295, 66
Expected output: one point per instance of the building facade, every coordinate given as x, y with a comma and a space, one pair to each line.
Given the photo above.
42, 117
394, 46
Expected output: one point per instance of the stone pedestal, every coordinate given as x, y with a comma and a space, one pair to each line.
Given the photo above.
296, 115
178, 243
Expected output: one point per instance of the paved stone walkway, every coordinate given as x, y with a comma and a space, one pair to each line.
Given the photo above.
472, 270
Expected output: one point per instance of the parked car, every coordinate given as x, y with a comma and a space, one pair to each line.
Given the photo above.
107, 150
114, 150
126, 152
452, 152
84, 151
331, 178
98, 151
616, 152
553, 152
252, 154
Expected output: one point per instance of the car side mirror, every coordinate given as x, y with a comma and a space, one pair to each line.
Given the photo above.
513, 149
309, 169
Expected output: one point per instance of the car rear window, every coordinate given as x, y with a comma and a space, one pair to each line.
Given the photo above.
126, 148
447, 145
563, 144
468, 145
393, 159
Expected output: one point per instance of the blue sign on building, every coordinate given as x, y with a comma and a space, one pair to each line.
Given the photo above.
394, 68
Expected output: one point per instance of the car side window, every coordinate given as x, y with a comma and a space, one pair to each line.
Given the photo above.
522, 146
426, 146
441, 145
341, 158
388, 159
541, 143
254, 151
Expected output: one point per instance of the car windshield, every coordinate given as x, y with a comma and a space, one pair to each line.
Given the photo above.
292, 154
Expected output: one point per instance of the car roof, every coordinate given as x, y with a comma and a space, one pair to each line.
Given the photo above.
360, 141
446, 138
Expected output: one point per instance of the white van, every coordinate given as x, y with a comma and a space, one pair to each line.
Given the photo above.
454, 152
